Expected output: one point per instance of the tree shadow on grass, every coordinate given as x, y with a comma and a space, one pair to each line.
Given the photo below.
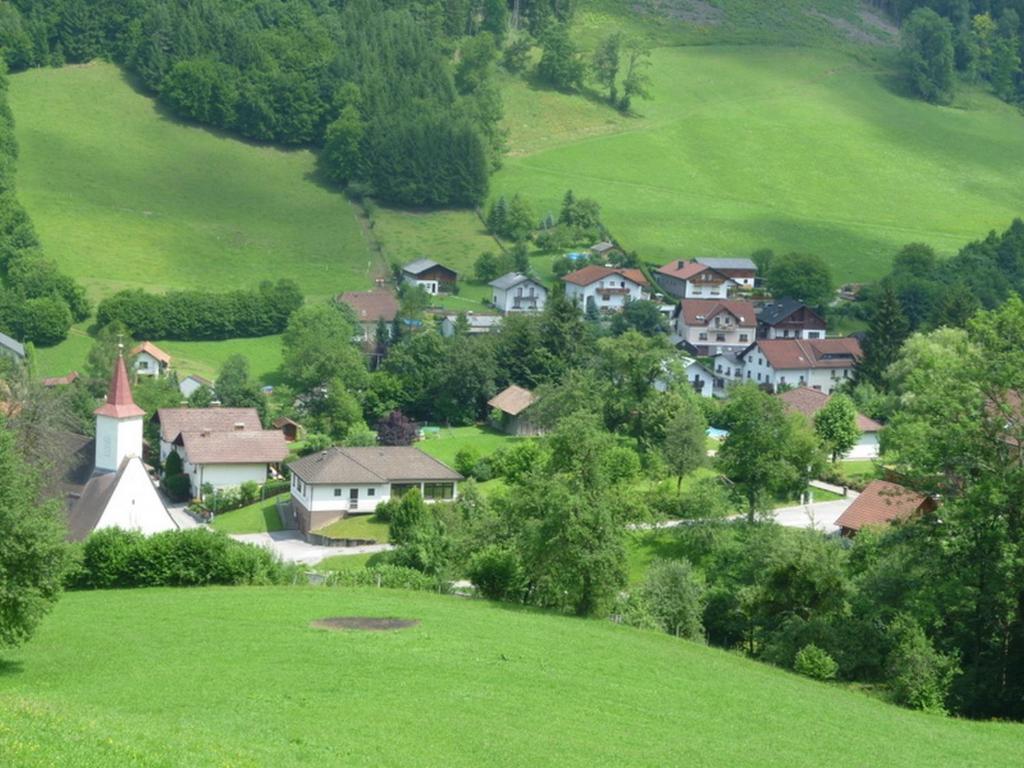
10, 668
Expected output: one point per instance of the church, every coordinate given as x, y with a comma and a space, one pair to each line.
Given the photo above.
119, 492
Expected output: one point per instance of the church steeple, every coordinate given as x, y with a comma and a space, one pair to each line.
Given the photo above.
118, 421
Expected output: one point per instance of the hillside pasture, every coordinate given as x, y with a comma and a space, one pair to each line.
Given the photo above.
237, 676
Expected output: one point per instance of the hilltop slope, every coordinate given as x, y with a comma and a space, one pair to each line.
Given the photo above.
198, 677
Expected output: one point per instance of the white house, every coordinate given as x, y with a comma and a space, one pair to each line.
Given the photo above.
742, 271
222, 447
820, 364
150, 360
694, 280
712, 326
339, 482
191, 383
120, 493
478, 323
432, 277
697, 375
809, 401
606, 289
515, 292
788, 318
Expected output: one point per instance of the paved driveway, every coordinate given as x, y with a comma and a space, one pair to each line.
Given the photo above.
821, 516
292, 548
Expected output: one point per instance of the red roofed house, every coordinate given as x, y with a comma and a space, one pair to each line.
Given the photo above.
370, 307
220, 447
694, 280
712, 326
809, 401
150, 360
881, 503
606, 289
820, 364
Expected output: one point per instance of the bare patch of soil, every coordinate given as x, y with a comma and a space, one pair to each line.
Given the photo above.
365, 623
696, 12
850, 30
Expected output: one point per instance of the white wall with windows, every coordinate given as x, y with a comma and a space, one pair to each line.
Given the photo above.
363, 498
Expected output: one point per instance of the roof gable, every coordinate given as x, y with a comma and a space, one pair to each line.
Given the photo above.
512, 400
153, 351
371, 306
809, 401
592, 273
174, 421
700, 312
775, 312
803, 354
883, 502
378, 464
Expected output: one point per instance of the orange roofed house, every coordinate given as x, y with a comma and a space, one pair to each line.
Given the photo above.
821, 364
809, 401
881, 503
606, 289
150, 360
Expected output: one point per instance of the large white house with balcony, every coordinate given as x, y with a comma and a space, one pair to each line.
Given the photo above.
712, 326
820, 364
515, 292
606, 289
694, 280
338, 482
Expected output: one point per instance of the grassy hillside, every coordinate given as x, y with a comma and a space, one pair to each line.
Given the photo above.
787, 148
124, 196
237, 677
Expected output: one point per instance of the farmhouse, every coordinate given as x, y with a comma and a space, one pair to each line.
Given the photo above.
694, 280
120, 493
742, 271
370, 307
515, 292
820, 364
150, 360
345, 481
432, 277
477, 322
220, 447
605, 289
712, 326
191, 383
809, 401
511, 411
881, 503
11, 348
789, 319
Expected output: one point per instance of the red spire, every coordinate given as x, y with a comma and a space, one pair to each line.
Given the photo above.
119, 403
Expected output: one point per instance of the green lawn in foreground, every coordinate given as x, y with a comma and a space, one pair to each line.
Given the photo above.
260, 517
124, 196
786, 148
358, 527
450, 440
236, 676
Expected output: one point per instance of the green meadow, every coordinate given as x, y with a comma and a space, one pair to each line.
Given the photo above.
794, 149
238, 677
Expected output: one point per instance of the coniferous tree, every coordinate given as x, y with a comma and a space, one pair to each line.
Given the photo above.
885, 336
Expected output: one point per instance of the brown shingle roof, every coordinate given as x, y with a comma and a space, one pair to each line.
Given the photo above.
809, 401
700, 312
371, 465
174, 421
58, 381
789, 354
684, 270
119, 404
236, 447
152, 350
371, 306
883, 502
592, 273
512, 400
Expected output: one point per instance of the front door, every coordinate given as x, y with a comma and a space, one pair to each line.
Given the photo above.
353, 498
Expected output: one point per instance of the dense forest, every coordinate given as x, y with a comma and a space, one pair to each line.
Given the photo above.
372, 79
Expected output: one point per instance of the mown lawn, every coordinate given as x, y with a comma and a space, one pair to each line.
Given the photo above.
860, 470
450, 440
344, 562
236, 676
260, 517
358, 527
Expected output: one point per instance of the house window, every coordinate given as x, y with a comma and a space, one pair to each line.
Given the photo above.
438, 491
760, 361
719, 337
702, 337
813, 335
400, 489
748, 374
143, 365
337, 491
744, 336
371, 491
759, 377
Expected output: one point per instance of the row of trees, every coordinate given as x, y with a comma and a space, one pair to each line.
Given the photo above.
370, 79
973, 39
198, 315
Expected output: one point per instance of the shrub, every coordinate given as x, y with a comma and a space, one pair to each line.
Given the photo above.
388, 577
811, 661
249, 493
497, 573
177, 487
674, 597
45, 321
465, 461
276, 487
919, 676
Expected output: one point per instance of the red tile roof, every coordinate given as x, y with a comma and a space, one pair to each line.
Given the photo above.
57, 381
700, 312
883, 502
120, 404
809, 401
371, 306
684, 270
153, 351
174, 421
790, 354
592, 273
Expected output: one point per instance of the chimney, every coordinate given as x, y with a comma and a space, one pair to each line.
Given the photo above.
204, 433
239, 426
679, 264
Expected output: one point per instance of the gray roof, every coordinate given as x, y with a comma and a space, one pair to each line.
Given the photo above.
511, 280
244, 446
14, 346
420, 265
477, 322
776, 311
728, 263
373, 465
